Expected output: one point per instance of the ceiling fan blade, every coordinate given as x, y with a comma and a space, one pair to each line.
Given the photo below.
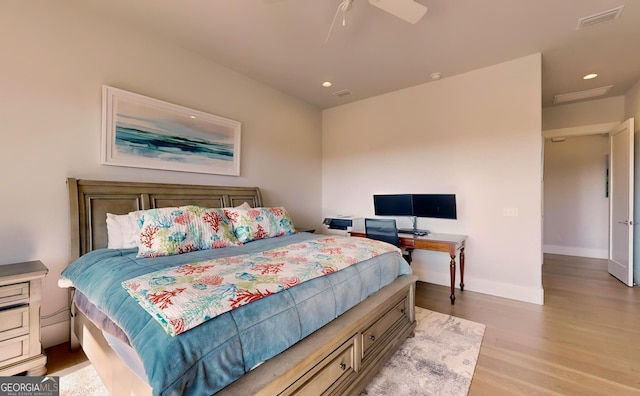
344, 6
408, 10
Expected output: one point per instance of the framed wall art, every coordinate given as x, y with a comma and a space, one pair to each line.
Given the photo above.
142, 132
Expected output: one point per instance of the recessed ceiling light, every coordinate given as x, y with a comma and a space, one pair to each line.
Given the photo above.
590, 76
327, 84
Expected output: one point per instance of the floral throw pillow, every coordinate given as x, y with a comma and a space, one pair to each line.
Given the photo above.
217, 230
177, 230
168, 231
259, 223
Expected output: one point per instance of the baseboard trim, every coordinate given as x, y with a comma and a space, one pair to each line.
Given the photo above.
576, 251
54, 334
498, 289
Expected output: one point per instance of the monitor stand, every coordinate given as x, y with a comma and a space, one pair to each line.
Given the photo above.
415, 231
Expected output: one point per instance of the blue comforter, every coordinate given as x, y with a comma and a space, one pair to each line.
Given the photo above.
208, 357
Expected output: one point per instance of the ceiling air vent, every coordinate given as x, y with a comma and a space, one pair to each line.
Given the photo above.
599, 18
589, 93
342, 93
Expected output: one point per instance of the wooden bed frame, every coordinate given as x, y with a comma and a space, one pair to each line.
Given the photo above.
340, 358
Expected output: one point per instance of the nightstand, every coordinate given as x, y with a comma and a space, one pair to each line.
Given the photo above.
20, 298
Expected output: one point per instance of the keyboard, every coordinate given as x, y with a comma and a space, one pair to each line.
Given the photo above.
411, 231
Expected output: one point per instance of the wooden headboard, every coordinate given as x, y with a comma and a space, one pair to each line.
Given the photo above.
91, 200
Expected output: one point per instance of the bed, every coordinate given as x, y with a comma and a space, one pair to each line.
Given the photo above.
318, 352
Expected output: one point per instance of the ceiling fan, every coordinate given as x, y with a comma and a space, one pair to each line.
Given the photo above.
407, 10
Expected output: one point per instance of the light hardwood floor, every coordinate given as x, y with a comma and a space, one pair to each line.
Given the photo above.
585, 339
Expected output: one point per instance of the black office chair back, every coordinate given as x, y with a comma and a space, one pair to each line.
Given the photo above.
382, 230
385, 230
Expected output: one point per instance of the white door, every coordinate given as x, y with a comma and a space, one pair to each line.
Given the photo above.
621, 202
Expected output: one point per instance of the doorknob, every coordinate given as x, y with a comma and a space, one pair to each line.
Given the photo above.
626, 222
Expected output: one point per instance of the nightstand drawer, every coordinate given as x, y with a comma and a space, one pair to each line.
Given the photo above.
15, 294
20, 299
14, 322
14, 349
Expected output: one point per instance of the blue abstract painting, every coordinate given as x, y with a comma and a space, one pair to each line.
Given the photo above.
148, 133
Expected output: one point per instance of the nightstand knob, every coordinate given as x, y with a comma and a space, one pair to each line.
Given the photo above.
343, 366
372, 337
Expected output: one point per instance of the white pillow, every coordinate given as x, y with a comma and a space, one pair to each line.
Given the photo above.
121, 231
244, 205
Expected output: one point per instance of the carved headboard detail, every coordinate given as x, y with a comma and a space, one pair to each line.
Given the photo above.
91, 200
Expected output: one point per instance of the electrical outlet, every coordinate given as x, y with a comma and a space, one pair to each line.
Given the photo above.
510, 212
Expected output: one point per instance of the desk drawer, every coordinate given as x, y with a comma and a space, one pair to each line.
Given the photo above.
435, 246
15, 294
407, 243
14, 322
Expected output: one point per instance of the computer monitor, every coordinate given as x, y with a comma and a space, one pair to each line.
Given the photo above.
439, 206
393, 205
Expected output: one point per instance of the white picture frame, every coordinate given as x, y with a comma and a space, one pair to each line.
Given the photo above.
142, 132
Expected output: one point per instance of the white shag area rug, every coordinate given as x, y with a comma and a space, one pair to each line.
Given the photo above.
439, 360
81, 380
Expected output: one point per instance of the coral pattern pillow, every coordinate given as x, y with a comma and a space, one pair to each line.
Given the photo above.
259, 223
217, 230
176, 230
167, 231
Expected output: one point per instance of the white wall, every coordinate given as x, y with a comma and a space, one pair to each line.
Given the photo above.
55, 61
632, 103
477, 135
576, 210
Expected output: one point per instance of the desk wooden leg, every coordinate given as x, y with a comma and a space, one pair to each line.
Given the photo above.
462, 269
452, 270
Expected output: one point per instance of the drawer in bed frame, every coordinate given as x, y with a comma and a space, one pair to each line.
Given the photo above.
321, 365
330, 373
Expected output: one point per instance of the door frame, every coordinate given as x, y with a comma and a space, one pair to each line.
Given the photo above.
584, 130
594, 129
597, 129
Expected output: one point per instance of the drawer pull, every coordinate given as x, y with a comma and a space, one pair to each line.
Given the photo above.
402, 311
343, 366
372, 337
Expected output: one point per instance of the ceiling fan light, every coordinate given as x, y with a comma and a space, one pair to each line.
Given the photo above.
408, 10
